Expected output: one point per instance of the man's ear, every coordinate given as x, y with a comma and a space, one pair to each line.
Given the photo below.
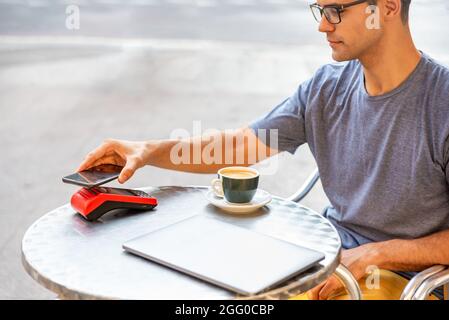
391, 9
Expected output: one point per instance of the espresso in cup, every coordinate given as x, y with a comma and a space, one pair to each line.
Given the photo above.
236, 184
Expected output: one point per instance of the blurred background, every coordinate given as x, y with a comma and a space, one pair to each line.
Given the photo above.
137, 69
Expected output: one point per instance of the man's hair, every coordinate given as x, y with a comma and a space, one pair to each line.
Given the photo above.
404, 11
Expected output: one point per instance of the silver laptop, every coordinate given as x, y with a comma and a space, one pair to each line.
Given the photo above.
224, 254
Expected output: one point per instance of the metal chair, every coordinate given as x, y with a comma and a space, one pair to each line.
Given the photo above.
418, 288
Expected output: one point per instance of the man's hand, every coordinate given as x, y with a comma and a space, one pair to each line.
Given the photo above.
356, 260
129, 154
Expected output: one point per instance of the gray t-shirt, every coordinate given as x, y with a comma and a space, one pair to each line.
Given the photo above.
383, 160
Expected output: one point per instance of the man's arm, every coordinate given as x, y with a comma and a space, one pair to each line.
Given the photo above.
239, 147
414, 255
202, 154
395, 255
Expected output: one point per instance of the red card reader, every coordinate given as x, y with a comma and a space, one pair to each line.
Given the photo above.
94, 202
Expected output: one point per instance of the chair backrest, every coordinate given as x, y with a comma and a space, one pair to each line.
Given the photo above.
306, 187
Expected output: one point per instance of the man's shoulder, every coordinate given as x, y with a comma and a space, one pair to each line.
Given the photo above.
436, 62
337, 72
334, 79
437, 72
338, 69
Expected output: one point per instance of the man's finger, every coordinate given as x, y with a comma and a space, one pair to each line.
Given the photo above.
93, 156
128, 171
113, 159
331, 286
313, 294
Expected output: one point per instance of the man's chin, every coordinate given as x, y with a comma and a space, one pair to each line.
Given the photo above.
340, 56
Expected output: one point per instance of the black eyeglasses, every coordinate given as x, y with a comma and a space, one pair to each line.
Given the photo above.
332, 12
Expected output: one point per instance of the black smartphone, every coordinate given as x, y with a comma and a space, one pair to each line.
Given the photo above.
94, 176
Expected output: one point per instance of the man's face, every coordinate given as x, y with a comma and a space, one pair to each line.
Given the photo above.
351, 38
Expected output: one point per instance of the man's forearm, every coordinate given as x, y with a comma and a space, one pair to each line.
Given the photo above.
414, 255
208, 154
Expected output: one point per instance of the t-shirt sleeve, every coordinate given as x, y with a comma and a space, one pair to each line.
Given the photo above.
288, 118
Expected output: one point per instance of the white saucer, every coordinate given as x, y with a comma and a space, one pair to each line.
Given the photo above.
260, 199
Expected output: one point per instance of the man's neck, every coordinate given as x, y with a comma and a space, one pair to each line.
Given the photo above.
392, 63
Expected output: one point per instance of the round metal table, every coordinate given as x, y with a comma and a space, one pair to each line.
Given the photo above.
78, 259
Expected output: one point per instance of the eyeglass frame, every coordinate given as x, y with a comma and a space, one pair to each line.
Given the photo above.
339, 7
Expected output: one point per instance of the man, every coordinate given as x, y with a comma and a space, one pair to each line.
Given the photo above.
377, 126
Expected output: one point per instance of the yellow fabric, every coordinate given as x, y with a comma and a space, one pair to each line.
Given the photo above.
391, 286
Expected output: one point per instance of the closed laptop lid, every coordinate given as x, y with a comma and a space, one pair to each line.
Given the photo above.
224, 254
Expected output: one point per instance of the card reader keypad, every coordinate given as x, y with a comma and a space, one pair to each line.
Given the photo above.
141, 194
